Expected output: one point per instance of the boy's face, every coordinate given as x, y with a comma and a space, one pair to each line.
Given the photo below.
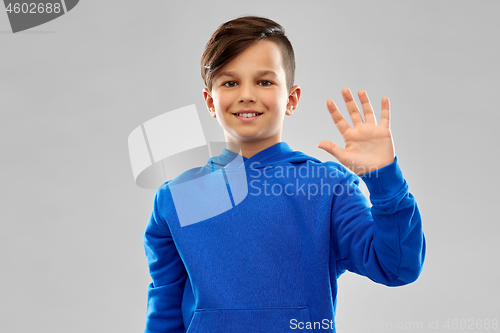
255, 81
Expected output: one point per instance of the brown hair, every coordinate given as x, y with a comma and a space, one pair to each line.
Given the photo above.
235, 36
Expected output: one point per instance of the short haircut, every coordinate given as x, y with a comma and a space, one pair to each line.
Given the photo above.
235, 36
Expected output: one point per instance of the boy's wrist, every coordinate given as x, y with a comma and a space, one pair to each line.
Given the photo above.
385, 182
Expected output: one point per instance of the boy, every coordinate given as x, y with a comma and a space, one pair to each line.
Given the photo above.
271, 262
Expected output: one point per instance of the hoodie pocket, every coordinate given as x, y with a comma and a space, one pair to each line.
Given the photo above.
252, 320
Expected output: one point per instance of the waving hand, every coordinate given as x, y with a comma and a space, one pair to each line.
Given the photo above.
368, 146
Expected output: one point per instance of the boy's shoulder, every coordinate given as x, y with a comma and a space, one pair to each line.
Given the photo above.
297, 164
186, 176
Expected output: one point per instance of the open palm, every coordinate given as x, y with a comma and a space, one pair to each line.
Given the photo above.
368, 146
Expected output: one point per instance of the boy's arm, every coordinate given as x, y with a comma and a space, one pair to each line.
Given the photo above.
384, 242
164, 312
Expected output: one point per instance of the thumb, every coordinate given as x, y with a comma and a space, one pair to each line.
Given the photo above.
331, 148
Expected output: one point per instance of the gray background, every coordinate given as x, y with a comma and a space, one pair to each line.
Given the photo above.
73, 89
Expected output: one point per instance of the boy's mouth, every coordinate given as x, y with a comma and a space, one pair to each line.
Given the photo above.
247, 116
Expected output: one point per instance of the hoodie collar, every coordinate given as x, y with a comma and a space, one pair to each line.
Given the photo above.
276, 154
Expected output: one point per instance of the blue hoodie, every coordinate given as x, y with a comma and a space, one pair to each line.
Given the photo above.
270, 261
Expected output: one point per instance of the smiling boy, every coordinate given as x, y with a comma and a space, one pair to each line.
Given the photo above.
271, 262
254, 82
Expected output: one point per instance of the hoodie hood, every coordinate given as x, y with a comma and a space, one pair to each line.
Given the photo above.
231, 163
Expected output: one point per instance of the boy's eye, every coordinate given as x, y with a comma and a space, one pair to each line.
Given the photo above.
231, 84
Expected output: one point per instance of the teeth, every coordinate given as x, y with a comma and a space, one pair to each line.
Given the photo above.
247, 115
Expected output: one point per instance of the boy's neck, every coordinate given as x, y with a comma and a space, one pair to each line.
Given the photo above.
250, 148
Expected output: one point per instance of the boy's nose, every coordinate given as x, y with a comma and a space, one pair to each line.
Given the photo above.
247, 94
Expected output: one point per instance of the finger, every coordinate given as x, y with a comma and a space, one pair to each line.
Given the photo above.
337, 117
367, 107
385, 118
351, 107
331, 148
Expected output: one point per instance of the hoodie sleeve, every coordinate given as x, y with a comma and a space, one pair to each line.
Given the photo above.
164, 312
384, 242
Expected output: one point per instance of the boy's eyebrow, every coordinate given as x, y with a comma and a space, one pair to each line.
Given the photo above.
259, 73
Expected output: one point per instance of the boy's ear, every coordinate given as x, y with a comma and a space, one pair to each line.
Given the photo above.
293, 100
209, 101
